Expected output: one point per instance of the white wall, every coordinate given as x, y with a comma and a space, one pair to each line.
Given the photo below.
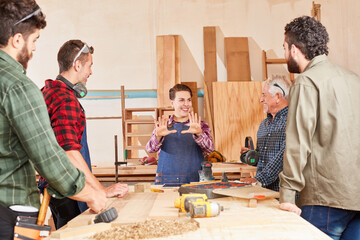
123, 33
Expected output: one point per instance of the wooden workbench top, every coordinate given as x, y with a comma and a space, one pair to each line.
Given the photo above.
237, 221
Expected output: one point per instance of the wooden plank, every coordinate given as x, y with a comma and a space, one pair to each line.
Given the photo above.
168, 67
77, 231
237, 59
238, 113
248, 192
194, 99
163, 207
210, 73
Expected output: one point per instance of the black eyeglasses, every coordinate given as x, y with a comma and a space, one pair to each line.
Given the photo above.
28, 16
277, 85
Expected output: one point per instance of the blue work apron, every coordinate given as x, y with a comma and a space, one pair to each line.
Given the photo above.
180, 158
86, 155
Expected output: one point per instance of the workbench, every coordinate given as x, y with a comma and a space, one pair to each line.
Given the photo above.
142, 173
237, 221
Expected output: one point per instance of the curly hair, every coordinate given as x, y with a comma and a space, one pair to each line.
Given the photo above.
11, 12
309, 35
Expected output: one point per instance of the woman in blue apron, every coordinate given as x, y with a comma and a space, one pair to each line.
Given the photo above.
183, 140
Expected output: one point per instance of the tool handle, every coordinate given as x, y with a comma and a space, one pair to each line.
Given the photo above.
43, 208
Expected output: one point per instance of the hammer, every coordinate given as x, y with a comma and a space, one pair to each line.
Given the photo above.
43, 208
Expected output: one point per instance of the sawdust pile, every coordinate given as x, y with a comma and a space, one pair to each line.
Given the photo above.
148, 229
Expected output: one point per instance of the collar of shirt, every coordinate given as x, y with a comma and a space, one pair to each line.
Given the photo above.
315, 61
59, 84
54, 83
172, 120
279, 114
7, 58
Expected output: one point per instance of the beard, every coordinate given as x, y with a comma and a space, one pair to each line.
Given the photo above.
24, 56
293, 66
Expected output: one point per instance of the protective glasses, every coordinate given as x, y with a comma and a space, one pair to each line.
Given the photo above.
28, 16
277, 85
84, 49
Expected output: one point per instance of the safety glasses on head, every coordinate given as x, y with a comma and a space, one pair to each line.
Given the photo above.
28, 16
84, 49
277, 85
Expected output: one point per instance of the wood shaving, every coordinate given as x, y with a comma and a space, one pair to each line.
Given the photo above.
148, 229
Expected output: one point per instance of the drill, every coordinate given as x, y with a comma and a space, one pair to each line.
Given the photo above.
184, 202
204, 209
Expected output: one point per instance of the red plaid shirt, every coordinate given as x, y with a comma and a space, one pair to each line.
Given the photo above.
66, 115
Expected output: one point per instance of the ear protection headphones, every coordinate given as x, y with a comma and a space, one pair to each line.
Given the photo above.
79, 88
250, 157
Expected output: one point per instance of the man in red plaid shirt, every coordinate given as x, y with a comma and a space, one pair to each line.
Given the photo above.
68, 122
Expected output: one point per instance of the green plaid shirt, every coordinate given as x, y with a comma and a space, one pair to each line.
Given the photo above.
27, 142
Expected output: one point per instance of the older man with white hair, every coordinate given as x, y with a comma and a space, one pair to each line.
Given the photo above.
271, 134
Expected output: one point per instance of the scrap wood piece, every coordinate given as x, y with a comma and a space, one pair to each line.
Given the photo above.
252, 193
148, 229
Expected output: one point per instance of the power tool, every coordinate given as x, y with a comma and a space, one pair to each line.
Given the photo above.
106, 216
200, 209
184, 202
205, 175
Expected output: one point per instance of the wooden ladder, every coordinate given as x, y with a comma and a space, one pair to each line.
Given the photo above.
267, 61
127, 125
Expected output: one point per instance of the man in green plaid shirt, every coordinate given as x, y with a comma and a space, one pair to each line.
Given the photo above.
27, 141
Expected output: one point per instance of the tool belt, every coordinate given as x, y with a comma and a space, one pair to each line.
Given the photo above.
25, 227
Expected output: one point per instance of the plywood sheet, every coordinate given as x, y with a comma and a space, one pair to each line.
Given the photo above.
237, 59
238, 113
168, 67
194, 99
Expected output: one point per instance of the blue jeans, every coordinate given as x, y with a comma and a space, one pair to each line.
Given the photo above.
336, 223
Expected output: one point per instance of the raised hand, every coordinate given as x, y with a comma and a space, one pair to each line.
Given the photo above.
161, 127
195, 124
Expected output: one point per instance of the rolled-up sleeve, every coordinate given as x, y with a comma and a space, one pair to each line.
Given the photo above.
30, 122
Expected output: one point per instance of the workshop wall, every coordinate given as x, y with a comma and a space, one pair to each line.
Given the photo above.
123, 33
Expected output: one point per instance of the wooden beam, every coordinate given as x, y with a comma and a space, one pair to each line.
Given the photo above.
210, 73
168, 67
237, 59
